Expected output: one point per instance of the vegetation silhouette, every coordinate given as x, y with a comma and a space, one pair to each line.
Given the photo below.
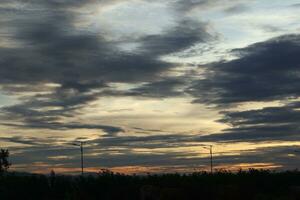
106, 185
221, 185
4, 163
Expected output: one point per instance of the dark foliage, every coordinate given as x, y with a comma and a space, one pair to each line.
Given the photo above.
4, 163
245, 185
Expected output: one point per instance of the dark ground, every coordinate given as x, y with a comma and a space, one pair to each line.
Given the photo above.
250, 185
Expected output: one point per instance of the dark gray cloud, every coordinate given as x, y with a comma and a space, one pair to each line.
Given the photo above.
26, 115
58, 4
278, 156
188, 5
112, 151
149, 142
233, 6
181, 37
296, 5
59, 52
263, 71
236, 9
123, 156
21, 140
52, 50
164, 88
267, 124
57, 56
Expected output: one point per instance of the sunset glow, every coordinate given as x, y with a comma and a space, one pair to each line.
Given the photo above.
148, 84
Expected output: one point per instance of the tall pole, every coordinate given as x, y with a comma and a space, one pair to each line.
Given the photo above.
81, 153
81, 150
211, 159
210, 148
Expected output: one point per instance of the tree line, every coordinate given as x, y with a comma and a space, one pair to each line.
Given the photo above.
221, 185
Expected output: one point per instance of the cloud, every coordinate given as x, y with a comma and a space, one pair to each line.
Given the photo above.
276, 156
31, 114
59, 52
165, 88
124, 156
51, 49
187, 6
263, 71
266, 124
296, 5
236, 9
153, 141
56, 68
179, 38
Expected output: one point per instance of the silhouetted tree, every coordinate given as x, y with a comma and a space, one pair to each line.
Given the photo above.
52, 178
221, 185
4, 163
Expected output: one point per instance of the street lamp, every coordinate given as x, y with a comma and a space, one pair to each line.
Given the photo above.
80, 144
210, 148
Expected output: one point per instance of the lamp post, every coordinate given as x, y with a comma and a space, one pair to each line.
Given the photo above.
210, 148
80, 144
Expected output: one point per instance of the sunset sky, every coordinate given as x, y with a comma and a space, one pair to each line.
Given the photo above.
147, 84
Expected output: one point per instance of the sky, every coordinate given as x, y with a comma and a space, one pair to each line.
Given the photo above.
148, 84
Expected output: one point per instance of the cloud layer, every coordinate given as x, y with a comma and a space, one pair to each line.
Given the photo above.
264, 71
65, 69
52, 50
